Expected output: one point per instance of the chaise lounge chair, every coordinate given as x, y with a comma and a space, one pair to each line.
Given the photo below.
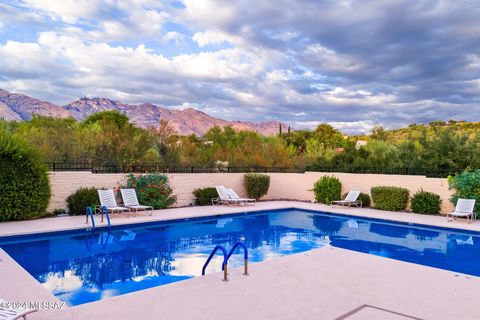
233, 195
464, 208
224, 198
107, 200
130, 201
350, 200
8, 313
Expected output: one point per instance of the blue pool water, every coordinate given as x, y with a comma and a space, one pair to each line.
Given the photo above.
79, 267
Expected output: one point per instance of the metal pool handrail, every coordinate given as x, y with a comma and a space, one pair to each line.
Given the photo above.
224, 265
89, 212
245, 255
105, 211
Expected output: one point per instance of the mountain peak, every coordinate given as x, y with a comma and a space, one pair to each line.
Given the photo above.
186, 121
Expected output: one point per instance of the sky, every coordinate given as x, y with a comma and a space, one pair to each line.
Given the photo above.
353, 64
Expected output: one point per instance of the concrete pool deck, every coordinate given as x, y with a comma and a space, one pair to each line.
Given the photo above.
326, 283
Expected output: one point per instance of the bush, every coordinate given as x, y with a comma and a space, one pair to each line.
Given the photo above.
389, 198
153, 189
364, 197
327, 189
426, 202
203, 197
467, 186
256, 184
82, 198
25, 187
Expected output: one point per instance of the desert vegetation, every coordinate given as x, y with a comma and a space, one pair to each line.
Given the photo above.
109, 138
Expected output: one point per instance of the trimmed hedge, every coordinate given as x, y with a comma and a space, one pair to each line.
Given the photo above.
256, 184
25, 187
82, 198
327, 189
364, 197
426, 202
389, 198
203, 197
153, 189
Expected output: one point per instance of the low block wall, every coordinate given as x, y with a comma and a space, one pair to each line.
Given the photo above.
65, 183
293, 186
288, 186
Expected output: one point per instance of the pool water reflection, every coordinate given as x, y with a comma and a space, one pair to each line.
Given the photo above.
80, 267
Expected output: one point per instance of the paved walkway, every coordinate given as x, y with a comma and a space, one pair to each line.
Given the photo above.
327, 283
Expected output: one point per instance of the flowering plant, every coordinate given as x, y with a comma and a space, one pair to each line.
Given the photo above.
153, 189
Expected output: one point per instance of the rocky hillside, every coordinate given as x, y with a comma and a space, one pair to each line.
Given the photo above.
187, 121
18, 106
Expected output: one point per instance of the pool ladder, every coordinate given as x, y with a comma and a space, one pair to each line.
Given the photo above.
226, 257
89, 214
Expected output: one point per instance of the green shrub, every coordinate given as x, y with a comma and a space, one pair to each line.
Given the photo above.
426, 202
364, 197
256, 184
25, 187
467, 186
153, 189
389, 198
327, 189
203, 197
82, 198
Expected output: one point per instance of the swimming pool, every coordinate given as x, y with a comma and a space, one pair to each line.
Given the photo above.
80, 267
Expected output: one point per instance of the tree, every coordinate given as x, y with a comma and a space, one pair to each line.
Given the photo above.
329, 136
379, 133
111, 116
164, 140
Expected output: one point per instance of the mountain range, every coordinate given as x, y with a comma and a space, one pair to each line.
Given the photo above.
19, 107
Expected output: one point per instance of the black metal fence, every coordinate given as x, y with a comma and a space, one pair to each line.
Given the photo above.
108, 168
432, 173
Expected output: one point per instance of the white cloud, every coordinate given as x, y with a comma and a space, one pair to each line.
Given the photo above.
279, 60
69, 11
210, 38
353, 126
328, 59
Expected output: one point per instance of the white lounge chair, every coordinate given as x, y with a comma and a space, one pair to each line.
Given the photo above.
224, 198
464, 208
350, 200
8, 313
130, 201
233, 195
107, 199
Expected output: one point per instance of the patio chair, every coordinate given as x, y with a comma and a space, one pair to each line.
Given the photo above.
233, 195
224, 198
350, 200
464, 208
8, 313
107, 200
130, 201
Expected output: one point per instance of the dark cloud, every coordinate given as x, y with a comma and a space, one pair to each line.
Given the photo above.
365, 62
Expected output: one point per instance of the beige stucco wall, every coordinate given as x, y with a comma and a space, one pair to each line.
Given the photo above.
291, 186
65, 183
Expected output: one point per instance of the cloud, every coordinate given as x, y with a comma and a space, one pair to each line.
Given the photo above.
349, 63
69, 11
209, 38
